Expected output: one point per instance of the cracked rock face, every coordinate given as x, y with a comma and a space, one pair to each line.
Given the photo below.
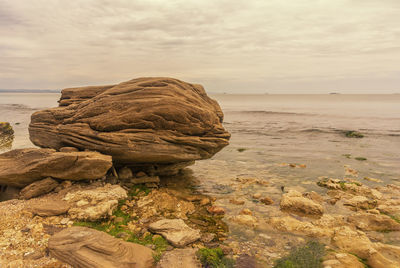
144, 120
24, 166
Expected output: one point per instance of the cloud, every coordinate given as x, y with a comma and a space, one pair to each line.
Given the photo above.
229, 46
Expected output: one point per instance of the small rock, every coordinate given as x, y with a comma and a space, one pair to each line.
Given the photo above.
33, 255
64, 221
180, 258
125, 173
38, 188
204, 201
246, 211
141, 174
236, 202
256, 195
247, 220
216, 210
53, 208
207, 237
267, 201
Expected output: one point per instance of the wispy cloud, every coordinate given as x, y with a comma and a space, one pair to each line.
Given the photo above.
229, 46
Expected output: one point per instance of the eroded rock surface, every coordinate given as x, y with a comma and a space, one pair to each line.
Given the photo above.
144, 120
23, 166
89, 248
94, 204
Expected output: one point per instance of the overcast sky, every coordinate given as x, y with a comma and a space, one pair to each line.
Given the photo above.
249, 46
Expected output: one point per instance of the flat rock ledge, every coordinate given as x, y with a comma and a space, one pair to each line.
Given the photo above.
21, 167
175, 231
141, 121
88, 248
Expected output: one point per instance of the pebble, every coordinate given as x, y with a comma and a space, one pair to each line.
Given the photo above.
216, 210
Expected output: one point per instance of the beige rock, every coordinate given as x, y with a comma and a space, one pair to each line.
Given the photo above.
23, 166
38, 188
180, 258
236, 201
246, 211
89, 248
267, 201
95, 204
360, 202
292, 225
53, 208
293, 201
175, 231
342, 260
247, 220
374, 222
216, 210
144, 120
356, 242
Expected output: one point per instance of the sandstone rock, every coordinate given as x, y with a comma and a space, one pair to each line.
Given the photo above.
145, 179
175, 231
94, 204
374, 222
38, 188
293, 201
356, 242
89, 248
246, 211
23, 166
68, 149
236, 202
292, 225
247, 220
360, 202
180, 258
53, 208
342, 260
267, 201
216, 210
144, 120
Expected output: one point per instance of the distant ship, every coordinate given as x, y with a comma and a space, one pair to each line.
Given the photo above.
334, 93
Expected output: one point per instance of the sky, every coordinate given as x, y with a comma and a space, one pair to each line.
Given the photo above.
274, 46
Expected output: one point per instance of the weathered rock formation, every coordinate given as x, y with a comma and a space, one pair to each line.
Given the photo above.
87, 248
141, 121
23, 166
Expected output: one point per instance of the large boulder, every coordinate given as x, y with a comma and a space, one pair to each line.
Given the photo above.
88, 248
23, 166
141, 121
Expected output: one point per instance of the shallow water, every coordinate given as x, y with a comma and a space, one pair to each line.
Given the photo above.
268, 132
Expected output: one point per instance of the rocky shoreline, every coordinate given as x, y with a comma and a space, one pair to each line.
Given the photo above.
79, 202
